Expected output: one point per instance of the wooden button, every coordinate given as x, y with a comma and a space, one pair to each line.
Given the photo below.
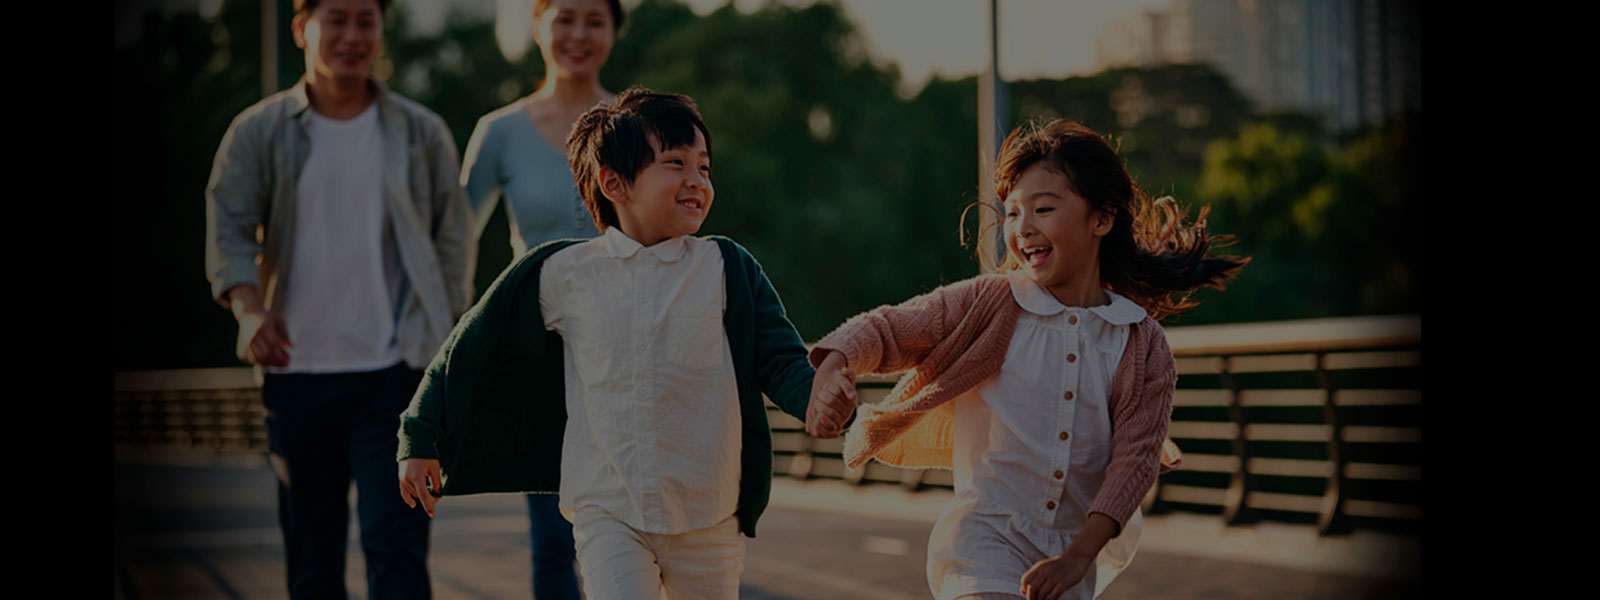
1059, 474
1050, 505
1072, 358
1067, 396
1072, 320
1063, 435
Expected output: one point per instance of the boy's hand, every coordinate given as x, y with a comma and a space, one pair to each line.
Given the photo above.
1052, 577
420, 480
833, 397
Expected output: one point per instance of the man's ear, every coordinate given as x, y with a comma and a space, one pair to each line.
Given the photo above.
612, 185
298, 28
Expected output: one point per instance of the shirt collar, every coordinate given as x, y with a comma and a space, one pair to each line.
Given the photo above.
620, 246
1035, 299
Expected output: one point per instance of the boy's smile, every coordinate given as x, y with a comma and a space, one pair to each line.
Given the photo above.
670, 197
1055, 235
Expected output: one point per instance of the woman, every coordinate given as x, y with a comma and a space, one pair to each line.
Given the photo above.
518, 152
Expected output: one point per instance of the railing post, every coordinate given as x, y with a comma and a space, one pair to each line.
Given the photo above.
1330, 517
1234, 509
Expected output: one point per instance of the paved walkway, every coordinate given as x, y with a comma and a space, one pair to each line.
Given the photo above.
208, 529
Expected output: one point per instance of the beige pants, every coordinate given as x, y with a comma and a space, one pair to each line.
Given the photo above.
619, 562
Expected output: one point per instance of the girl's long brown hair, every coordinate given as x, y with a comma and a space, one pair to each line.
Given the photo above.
1150, 256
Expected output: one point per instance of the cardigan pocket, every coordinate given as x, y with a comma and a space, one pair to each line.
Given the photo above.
694, 337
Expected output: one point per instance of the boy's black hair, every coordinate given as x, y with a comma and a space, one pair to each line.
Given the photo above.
618, 134
306, 6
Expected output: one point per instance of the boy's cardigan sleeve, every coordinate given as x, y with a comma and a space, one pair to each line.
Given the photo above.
781, 368
1138, 427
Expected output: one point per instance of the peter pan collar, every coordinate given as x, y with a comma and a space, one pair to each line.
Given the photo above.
1035, 299
620, 246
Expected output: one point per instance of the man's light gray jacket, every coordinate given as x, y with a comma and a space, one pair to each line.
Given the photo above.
250, 210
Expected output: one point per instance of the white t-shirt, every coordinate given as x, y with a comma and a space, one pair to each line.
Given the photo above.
653, 429
344, 276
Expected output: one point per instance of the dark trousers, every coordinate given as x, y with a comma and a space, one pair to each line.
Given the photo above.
323, 431
554, 577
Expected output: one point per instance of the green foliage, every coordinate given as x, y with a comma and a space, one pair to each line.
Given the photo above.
1333, 231
177, 88
848, 193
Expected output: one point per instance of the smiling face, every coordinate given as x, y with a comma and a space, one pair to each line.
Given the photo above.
575, 37
669, 197
340, 38
1053, 233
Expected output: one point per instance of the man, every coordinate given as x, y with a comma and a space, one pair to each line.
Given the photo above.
339, 237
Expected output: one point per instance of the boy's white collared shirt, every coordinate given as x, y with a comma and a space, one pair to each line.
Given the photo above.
653, 430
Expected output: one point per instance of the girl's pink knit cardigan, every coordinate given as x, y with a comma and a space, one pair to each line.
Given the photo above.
955, 338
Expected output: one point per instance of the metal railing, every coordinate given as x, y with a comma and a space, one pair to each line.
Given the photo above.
1315, 421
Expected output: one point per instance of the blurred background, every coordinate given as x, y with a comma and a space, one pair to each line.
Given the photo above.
847, 147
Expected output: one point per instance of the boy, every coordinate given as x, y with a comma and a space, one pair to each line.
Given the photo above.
625, 371
360, 269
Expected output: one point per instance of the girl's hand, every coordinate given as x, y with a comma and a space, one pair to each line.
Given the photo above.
1052, 577
421, 481
833, 397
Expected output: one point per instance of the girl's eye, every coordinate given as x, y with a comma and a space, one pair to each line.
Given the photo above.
1043, 209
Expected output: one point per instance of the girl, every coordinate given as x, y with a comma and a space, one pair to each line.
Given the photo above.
519, 152
1047, 387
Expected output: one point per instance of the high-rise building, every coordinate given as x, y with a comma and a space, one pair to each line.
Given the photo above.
1351, 62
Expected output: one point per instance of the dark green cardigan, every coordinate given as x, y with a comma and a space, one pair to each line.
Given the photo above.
492, 405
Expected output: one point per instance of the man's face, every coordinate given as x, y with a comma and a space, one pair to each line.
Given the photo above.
341, 38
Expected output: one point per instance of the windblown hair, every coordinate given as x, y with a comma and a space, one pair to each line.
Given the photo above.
1150, 256
623, 135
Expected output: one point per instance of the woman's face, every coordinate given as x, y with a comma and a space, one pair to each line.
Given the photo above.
575, 37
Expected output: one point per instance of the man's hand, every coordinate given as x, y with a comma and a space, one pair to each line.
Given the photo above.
833, 397
1052, 577
268, 344
421, 481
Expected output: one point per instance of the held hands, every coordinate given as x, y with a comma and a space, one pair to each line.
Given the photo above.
1052, 577
421, 481
833, 397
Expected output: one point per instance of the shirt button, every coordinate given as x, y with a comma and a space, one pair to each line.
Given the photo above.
1051, 505
1063, 435
1059, 474
1072, 320
1067, 396
1072, 358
